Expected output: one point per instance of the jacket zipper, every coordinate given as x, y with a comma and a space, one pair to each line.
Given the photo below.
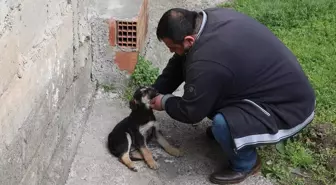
256, 105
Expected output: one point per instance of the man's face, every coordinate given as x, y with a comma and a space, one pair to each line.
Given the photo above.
179, 49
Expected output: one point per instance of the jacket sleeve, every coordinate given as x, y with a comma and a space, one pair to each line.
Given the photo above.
171, 77
205, 85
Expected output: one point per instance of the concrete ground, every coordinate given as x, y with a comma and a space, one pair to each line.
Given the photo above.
93, 165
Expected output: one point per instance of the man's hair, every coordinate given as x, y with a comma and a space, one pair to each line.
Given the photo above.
175, 24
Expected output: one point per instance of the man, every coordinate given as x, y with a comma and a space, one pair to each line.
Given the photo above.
238, 74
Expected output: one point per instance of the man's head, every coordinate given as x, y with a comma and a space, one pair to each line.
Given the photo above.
178, 28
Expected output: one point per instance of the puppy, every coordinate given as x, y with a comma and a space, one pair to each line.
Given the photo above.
136, 130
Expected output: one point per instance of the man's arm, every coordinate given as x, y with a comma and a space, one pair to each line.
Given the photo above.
171, 77
204, 86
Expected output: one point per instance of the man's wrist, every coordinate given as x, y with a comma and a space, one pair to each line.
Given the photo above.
164, 100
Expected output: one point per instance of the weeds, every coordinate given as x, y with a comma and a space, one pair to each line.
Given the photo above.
144, 74
108, 88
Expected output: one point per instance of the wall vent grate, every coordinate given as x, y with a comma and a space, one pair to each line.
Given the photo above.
127, 34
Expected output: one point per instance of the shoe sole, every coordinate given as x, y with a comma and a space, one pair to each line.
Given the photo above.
253, 172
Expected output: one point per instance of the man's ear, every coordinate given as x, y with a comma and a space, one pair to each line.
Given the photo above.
189, 41
133, 104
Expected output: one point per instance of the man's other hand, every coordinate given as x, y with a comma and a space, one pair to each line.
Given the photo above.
155, 103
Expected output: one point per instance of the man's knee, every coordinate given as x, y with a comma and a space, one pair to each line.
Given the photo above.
220, 127
221, 131
219, 120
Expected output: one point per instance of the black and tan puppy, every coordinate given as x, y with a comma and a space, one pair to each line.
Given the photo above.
136, 130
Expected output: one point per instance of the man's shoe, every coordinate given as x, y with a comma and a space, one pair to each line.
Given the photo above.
209, 133
232, 177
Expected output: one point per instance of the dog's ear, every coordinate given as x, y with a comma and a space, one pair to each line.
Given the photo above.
133, 104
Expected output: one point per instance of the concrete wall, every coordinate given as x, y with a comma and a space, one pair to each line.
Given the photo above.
112, 62
45, 88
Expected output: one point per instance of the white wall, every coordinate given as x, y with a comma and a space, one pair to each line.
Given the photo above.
45, 67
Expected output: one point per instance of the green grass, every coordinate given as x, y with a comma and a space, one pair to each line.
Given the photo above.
144, 74
308, 28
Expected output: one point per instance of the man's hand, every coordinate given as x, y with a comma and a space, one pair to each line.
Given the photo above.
155, 103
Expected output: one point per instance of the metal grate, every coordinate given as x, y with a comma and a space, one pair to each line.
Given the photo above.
127, 34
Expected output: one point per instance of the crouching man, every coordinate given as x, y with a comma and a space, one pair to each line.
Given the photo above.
238, 74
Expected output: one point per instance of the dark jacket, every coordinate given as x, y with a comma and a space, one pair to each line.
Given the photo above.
239, 68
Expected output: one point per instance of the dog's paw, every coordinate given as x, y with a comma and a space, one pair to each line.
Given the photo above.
134, 169
175, 152
153, 165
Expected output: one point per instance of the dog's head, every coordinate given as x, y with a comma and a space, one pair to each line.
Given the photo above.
142, 97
